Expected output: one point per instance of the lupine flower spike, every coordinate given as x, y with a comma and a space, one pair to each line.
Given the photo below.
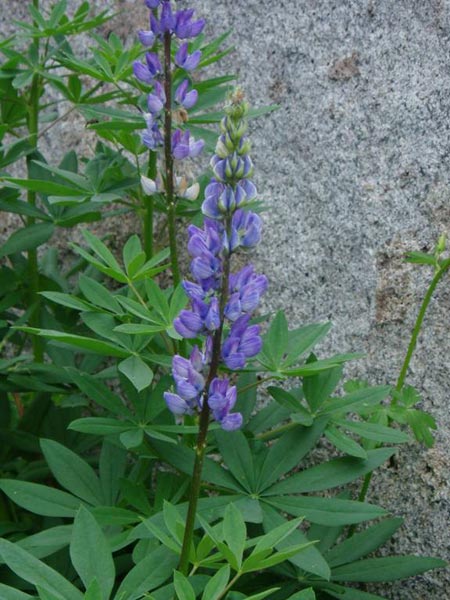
221, 303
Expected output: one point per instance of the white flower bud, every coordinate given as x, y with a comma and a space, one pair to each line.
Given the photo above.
192, 192
148, 185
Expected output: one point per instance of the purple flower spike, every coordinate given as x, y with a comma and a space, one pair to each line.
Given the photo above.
186, 61
152, 3
185, 98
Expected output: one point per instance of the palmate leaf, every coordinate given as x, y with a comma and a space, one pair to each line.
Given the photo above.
27, 238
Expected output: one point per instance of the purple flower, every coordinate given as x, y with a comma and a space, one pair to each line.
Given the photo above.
247, 287
157, 99
147, 73
141, 72
185, 98
207, 239
167, 19
193, 290
202, 318
243, 342
232, 168
152, 136
184, 146
152, 3
186, 61
153, 63
189, 382
245, 229
147, 38
184, 26
177, 405
221, 399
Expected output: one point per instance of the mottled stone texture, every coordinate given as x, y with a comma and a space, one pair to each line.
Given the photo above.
355, 167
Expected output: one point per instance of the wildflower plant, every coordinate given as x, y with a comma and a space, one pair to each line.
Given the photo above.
172, 482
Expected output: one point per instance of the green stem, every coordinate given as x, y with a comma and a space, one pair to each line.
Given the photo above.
170, 195
33, 270
443, 268
203, 426
149, 208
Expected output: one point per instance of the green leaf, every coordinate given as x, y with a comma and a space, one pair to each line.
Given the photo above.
287, 453
217, 584
98, 295
67, 300
236, 453
47, 542
43, 186
94, 591
318, 366
421, 258
345, 443
90, 553
27, 238
333, 473
96, 391
310, 559
386, 569
327, 511
101, 425
157, 299
363, 543
148, 574
89, 345
274, 342
318, 388
373, 431
40, 499
135, 369
234, 533
302, 340
307, 594
359, 400
9, 593
36, 572
183, 588
72, 472
275, 536
345, 593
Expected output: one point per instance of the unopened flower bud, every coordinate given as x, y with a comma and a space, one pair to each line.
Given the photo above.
148, 185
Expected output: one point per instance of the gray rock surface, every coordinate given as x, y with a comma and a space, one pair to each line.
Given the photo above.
355, 167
